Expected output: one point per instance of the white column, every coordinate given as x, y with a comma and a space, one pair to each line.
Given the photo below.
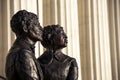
91, 41
96, 42
1, 58
16, 5
40, 15
61, 17
113, 43
46, 11
74, 34
68, 26
5, 33
104, 41
23, 4
96, 35
117, 17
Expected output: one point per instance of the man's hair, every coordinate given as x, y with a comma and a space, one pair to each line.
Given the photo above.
48, 33
22, 19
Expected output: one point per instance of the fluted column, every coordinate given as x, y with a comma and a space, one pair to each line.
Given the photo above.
117, 9
5, 38
94, 40
72, 29
113, 39
104, 41
84, 33
117, 27
40, 15
1, 63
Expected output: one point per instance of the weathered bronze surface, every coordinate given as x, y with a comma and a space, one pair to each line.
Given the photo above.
21, 63
56, 65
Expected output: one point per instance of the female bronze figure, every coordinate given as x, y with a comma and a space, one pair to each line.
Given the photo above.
56, 65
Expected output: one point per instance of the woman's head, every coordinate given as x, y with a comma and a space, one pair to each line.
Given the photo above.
54, 37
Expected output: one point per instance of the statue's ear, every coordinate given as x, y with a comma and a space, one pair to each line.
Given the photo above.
49, 36
24, 27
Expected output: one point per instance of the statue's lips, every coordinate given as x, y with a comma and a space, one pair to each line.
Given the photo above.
66, 40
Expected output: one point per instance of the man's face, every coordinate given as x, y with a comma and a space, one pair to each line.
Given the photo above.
36, 32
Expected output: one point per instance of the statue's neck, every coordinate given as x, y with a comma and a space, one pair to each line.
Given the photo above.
27, 39
54, 51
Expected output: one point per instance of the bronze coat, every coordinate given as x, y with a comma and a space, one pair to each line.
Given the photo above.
21, 63
58, 66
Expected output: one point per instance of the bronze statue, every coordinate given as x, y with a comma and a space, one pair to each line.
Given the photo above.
56, 65
21, 63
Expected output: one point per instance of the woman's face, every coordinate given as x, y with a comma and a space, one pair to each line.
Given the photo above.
60, 39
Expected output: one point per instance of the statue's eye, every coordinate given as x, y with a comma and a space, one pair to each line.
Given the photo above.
60, 32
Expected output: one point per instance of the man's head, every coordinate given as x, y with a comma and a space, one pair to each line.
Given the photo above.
25, 23
54, 37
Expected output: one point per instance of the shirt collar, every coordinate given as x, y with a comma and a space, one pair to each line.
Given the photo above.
59, 56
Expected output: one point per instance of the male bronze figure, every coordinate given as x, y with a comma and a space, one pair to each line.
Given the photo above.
56, 65
21, 63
